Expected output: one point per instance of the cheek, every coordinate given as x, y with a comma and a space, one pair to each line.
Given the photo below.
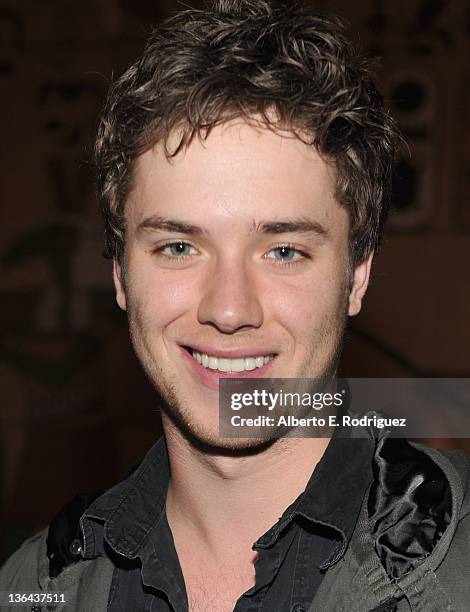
158, 297
308, 305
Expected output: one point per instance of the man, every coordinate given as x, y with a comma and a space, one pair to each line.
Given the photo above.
244, 165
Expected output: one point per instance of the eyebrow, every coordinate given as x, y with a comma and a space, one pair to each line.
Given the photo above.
156, 223
301, 225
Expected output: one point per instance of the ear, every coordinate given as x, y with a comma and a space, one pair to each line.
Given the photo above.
360, 281
119, 285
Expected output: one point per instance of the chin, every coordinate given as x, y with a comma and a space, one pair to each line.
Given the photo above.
209, 441
231, 446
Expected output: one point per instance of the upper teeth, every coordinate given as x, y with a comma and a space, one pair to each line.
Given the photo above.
231, 365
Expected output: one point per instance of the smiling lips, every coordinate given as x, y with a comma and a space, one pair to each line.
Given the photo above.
223, 364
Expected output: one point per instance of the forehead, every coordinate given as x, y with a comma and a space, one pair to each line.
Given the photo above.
237, 171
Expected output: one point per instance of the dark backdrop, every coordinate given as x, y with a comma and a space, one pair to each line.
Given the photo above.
75, 409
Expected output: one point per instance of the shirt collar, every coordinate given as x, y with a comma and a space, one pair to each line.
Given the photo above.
130, 509
334, 494
332, 498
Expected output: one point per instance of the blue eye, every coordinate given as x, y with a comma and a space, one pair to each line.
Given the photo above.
286, 253
176, 249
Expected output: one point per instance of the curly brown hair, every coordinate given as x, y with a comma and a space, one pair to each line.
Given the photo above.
269, 61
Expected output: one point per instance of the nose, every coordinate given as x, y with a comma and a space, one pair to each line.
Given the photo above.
231, 299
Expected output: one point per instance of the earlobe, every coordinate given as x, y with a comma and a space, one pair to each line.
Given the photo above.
360, 282
119, 285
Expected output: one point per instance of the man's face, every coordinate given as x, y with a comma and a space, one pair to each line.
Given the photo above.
236, 257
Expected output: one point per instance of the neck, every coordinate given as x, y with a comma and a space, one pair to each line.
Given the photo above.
209, 491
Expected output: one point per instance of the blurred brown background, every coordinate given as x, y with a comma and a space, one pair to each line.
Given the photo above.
75, 409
